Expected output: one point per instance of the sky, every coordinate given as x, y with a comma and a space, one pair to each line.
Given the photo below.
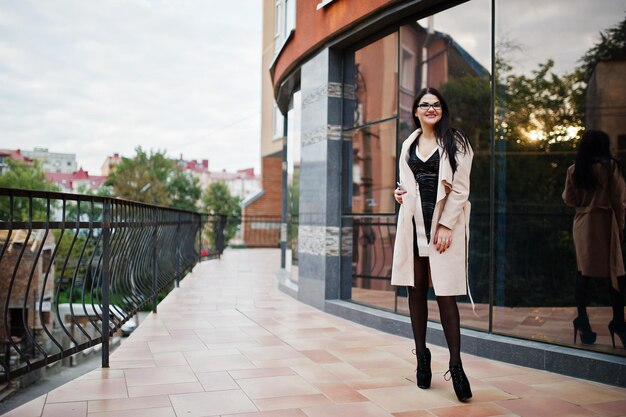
96, 78
562, 30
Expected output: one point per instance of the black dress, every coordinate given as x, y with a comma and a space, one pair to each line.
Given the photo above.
426, 175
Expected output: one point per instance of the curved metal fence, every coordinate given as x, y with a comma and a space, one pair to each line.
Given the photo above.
74, 268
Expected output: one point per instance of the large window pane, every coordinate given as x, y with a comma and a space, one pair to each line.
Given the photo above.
376, 81
371, 161
556, 77
293, 182
451, 52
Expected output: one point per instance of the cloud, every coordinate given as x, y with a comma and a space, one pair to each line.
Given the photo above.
94, 78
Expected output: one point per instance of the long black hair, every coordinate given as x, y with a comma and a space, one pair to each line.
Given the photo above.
593, 148
447, 137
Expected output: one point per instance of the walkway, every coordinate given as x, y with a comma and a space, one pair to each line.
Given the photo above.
228, 343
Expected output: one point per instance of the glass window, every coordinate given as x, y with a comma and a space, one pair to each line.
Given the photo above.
373, 168
294, 145
451, 53
279, 123
290, 16
376, 81
556, 77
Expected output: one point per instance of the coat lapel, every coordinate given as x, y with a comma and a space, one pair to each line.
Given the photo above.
445, 175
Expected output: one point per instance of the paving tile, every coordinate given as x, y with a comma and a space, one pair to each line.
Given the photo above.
68, 409
103, 373
159, 376
212, 403
144, 412
216, 381
538, 406
276, 386
233, 345
169, 359
347, 410
420, 413
91, 389
608, 409
33, 408
470, 410
212, 363
260, 372
405, 398
340, 393
320, 356
292, 401
580, 392
271, 353
137, 403
294, 412
164, 389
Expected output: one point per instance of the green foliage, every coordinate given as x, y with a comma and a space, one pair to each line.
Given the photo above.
611, 47
142, 178
70, 265
539, 120
154, 179
184, 190
27, 177
217, 200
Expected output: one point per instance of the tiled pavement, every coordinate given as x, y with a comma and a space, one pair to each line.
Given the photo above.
228, 343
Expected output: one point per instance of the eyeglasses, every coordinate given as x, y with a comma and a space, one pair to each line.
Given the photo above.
425, 106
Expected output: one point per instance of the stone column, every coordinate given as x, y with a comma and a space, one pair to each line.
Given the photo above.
320, 180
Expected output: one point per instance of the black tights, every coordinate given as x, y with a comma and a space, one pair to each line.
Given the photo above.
448, 311
617, 297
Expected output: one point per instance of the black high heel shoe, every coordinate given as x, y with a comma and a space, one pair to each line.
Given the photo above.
581, 323
423, 374
620, 329
459, 382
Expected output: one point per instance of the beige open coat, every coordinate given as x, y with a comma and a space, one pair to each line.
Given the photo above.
452, 209
597, 223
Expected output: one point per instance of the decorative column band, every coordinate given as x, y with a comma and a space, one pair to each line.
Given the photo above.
328, 132
318, 240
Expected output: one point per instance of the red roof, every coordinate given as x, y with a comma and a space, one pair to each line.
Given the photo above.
15, 154
67, 180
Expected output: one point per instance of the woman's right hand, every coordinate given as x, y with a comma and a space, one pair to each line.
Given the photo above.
398, 193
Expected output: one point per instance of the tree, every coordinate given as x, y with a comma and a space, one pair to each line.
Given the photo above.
216, 201
611, 47
184, 190
27, 177
154, 179
142, 178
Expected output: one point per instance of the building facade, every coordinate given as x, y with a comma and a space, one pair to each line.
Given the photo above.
76, 182
63, 163
523, 86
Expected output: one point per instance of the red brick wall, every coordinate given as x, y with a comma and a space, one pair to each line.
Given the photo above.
269, 204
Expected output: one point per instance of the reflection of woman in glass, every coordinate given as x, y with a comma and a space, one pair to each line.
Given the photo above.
595, 187
432, 232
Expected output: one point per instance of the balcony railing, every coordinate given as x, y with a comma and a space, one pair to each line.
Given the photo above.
74, 268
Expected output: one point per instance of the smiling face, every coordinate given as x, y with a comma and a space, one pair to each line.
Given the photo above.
429, 110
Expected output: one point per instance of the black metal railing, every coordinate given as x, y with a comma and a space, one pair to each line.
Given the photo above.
74, 268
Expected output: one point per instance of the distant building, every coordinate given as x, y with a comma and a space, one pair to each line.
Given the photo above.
78, 181
14, 154
109, 163
53, 161
243, 183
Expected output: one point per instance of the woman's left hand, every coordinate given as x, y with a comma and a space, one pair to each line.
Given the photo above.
443, 238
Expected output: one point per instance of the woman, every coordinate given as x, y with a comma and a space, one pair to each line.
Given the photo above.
595, 187
432, 232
